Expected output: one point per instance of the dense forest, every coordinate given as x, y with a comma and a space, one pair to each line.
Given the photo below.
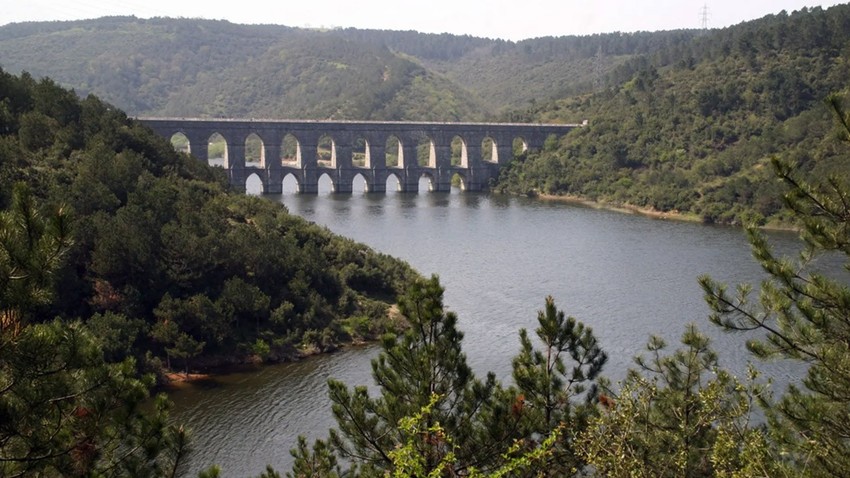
694, 126
677, 413
165, 260
190, 67
117, 253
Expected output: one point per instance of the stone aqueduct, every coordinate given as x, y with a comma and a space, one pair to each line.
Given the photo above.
369, 139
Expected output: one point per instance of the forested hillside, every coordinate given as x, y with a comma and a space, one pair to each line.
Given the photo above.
165, 262
190, 67
507, 75
681, 121
119, 255
694, 127
215, 68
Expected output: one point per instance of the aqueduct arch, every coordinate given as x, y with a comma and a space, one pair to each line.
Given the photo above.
306, 150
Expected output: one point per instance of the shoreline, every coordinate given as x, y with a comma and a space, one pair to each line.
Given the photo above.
622, 208
652, 213
216, 368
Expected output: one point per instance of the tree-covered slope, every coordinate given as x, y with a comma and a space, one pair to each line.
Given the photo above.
186, 67
508, 75
166, 263
694, 127
190, 67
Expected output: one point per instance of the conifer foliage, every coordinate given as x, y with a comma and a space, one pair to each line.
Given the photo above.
805, 316
433, 415
548, 390
65, 411
426, 361
679, 414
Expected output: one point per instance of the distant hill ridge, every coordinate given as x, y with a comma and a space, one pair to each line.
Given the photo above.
191, 67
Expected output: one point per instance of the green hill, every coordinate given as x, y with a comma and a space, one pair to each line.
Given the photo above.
214, 68
695, 125
165, 261
680, 121
190, 67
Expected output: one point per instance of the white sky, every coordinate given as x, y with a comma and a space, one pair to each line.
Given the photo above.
508, 19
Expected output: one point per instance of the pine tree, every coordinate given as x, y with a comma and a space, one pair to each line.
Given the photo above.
425, 362
678, 415
65, 411
548, 393
804, 316
31, 248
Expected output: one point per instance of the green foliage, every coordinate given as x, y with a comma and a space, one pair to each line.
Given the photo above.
425, 362
192, 67
803, 315
679, 415
679, 121
407, 459
165, 260
64, 409
690, 128
546, 388
434, 418
31, 248
407, 462
318, 461
68, 412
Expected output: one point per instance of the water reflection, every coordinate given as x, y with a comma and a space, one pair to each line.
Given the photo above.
440, 200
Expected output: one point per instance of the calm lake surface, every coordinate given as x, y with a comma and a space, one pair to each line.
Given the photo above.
624, 275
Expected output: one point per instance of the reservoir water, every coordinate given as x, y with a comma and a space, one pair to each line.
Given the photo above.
626, 276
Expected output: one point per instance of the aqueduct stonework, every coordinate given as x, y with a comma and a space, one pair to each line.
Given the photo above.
368, 139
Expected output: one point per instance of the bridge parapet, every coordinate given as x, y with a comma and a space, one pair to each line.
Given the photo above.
434, 139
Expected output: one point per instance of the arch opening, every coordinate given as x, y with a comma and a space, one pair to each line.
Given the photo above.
254, 185
519, 147
393, 184
359, 184
426, 152
217, 150
489, 151
291, 184
427, 182
360, 157
326, 152
458, 182
180, 143
326, 184
255, 151
290, 151
395, 154
459, 157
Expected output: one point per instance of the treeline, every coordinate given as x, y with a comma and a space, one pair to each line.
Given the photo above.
693, 133
120, 260
141, 254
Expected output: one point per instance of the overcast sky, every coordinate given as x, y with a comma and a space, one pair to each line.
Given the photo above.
508, 19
